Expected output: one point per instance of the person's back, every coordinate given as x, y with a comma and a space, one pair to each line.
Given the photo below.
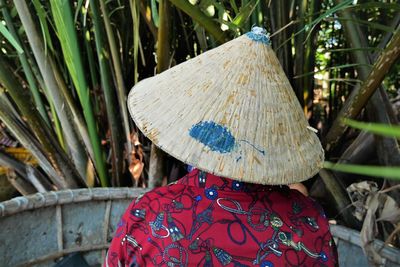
206, 220
230, 111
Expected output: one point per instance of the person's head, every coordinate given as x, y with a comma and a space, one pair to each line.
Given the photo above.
230, 111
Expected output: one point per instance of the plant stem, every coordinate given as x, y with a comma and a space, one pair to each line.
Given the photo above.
69, 43
121, 92
109, 97
26, 138
360, 96
157, 157
48, 71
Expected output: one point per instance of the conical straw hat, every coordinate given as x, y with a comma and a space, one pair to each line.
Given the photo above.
230, 111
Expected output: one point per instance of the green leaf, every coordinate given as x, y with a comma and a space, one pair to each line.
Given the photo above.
375, 171
10, 38
66, 32
43, 24
331, 68
372, 25
375, 128
30, 77
371, 49
327, 13
310, 26
234, 6
78, 9
154, 13
376, 4
245, 13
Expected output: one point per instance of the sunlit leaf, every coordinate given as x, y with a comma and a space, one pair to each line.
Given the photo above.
245, 13
77, 10
10, 38
375, 171
154, 12
327, 13
375, 128
372, 25
43, 24
63, 19
376, 4
332, 68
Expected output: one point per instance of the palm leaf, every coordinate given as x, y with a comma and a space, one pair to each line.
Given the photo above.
245, 13
121, 90
109, 95
376, 171
375, 128
63, 19
56, 89
10, 38
25, 65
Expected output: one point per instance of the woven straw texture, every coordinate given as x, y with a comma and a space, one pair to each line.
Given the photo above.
232, 112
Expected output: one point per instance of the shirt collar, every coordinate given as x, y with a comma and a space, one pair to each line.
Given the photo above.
198, 178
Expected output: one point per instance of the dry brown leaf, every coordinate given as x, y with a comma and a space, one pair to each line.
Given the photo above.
137, 165
369, 230
363, 187
135, 139
358, 193
390, 211
90, 174
136, 168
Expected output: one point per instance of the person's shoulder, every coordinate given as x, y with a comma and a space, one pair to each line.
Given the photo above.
161, 192
309, 203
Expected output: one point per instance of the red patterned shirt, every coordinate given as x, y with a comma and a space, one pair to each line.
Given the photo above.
206, 220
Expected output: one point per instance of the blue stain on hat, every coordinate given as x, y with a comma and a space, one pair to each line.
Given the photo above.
217, 137
259, 34
214, 136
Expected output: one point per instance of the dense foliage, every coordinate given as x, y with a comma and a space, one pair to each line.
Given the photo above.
66, 68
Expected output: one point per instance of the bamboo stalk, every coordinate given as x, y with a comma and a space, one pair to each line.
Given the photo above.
46, 67
121, 90
94, 79
12, 163
39, 79
300, 58
340, 197
22, 186
387, 148
72, 110
111, 102
27, 172
284, 54
25, 65
62, 13
359, 151
143, 7
27, 140
135, 12
58, 96
23, 100
37, 179
197, 15
360, 96
157, 157
163, 46
57, 125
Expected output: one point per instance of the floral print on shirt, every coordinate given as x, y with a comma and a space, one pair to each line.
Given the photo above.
206, 220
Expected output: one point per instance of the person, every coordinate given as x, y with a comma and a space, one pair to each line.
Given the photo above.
232, 114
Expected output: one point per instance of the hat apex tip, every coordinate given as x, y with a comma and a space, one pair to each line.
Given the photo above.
259, 34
